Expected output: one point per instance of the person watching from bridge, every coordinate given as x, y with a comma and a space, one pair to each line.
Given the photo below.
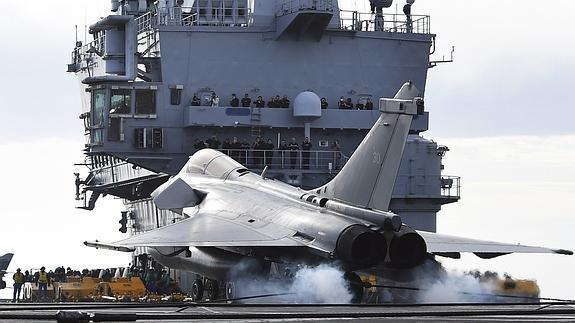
273, 102
213, 142
269, 152
196, 101
199, 144
368, 104
341, 103
245, 146
294, 147
284, 102
306, 147
215, 100
324, 104
226, 146
283, 147
348, 104
234, 102
246, 101
235, 146
260, 103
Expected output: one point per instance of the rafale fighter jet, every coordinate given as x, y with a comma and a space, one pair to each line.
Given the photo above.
233, 215
4, 263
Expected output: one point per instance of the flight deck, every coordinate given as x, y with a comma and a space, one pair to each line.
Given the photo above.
180, 312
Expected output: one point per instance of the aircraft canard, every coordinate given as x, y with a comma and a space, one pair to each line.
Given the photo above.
233, 214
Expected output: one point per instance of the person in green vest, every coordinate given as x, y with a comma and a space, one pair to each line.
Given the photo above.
18, 278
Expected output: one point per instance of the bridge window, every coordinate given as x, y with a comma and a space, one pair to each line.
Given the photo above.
98, 105
175, 96
120, 101
97, 116
145, 102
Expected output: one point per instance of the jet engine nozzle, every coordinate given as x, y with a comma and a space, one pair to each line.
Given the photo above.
361, 246
407, 248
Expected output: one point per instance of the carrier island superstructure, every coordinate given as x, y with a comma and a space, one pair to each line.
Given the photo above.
148, 59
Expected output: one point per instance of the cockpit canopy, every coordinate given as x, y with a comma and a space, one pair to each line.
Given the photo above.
211, 162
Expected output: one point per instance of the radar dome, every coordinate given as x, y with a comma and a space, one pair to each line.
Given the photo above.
307, 104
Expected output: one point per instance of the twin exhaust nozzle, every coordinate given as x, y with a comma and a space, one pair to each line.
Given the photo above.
362, 247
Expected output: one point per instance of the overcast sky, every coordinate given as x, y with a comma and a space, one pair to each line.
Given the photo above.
504, 107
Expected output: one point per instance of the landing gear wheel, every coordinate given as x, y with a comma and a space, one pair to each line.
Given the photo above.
355, 286
230, 290
213, 289
197, 290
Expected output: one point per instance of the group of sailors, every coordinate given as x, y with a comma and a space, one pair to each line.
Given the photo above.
41, 278
347, 104
245, 102
156, 280
279, 102
262, 151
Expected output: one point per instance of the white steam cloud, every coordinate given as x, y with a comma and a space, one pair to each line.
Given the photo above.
324, 284
454, 287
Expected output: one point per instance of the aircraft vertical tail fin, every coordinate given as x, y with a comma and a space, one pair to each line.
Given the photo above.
368, 177
5, 261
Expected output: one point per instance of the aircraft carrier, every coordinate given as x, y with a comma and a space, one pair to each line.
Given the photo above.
150, 76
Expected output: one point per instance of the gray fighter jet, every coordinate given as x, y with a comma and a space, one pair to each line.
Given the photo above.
233, 215
4, 263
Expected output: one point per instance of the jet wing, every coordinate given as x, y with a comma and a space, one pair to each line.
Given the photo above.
210, 230
451, 246
5, 261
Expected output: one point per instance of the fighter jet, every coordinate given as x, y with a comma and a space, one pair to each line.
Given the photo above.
233, 215
4, 263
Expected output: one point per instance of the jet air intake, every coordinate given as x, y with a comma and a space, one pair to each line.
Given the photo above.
357, 245
407, 248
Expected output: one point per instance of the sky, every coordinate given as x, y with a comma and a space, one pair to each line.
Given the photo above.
503, 108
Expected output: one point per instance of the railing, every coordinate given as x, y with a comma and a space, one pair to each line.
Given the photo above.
291, 6
145, 22
450, 186
82, 53
203, 16
357, 21
327, 161
428, 186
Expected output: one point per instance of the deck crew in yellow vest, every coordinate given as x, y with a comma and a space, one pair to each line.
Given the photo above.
18, 278
43, 283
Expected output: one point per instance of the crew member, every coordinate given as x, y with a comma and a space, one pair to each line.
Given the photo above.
196, 101
336, 148
305, 146
284, 102
234, 102
226, 146
323, 103
246, 101
43, 282
260, 103
282, 150
368, 104
215, 100
18, 278
407, 12
269, 152
245, 146
213, 142
235, 146
294, 147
